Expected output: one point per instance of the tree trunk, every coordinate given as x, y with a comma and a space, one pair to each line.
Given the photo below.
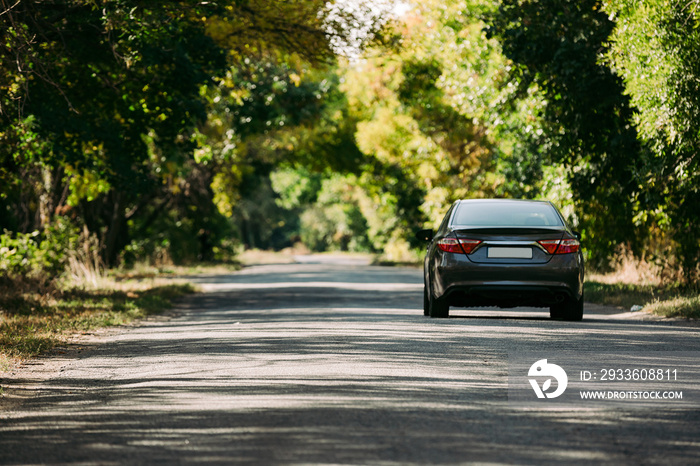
116, 233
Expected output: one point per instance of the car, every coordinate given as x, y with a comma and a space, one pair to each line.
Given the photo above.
504, 253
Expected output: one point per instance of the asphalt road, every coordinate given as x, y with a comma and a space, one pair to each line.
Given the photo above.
333, 362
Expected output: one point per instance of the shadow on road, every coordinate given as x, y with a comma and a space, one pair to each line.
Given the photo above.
335, 366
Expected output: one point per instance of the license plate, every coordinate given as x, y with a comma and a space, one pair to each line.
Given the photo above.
510, 253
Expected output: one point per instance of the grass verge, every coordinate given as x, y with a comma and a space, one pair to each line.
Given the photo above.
680, 306
666, 301
34, 320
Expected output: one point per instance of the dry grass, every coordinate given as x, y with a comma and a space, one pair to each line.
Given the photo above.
149, 273
629, 270
85, 266
644, 286
287, 256
259, 257
35, 317
681, 306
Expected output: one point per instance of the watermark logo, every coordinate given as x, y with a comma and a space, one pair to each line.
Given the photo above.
585, 378
543, 369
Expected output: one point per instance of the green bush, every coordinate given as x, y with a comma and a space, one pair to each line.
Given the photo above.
335, 221
18, 253
38, 254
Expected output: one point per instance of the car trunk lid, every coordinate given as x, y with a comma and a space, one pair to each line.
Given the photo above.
509, 245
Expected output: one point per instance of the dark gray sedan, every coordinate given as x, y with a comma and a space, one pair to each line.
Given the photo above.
505, 253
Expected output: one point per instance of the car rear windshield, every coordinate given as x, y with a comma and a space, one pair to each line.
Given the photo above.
507, 214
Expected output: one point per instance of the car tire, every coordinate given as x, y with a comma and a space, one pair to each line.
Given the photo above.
555, 312
571, 310
439, 307
426, 301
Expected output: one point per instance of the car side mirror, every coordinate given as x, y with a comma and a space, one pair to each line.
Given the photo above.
425, 235
577, 234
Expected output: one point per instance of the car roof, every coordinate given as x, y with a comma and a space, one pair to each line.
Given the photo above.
504, 200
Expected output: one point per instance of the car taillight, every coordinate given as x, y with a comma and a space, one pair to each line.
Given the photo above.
450, 245
550, 245
459, 246
568, 245
560, 246
469, 245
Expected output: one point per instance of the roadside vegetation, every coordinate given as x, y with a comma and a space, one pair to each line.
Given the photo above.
640, 286
664, 300
181, 132
35, 317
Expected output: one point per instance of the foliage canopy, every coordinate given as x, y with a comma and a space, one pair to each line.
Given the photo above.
181, 130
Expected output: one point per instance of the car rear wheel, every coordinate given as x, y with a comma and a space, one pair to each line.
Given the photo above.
426, 301
569, 310
438, 307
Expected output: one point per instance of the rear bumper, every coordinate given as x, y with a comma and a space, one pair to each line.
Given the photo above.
464, 283
508, 295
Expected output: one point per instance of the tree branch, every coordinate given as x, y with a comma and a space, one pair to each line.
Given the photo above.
8, 9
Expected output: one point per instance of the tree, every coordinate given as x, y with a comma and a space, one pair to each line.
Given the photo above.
268, 116
114, 93
410, 102
107, 96
555, 46
655, 48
